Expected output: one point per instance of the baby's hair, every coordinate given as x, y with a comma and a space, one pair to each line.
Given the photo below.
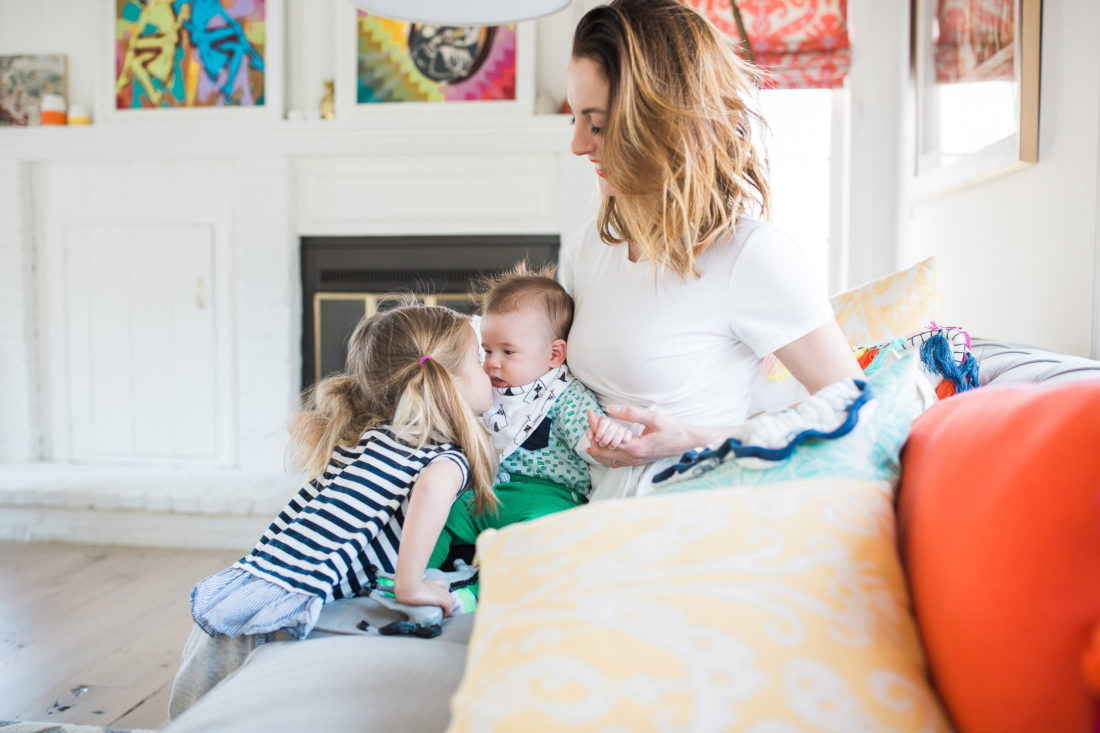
522, 287
385, 381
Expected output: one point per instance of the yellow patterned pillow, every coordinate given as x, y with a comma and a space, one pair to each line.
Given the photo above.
774, 608
891, 307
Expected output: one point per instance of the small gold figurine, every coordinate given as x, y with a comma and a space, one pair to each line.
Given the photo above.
328, 103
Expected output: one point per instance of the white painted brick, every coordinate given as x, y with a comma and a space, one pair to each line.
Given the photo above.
158, 500
131, 498
132, 529
213, 502
48, 499
18, 436
78, 497
185, 503
239, 505
108, 500
267, 248
18, 497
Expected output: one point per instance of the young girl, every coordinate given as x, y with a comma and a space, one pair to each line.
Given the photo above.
390, 443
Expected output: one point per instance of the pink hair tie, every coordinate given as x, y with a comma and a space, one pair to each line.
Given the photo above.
423, 359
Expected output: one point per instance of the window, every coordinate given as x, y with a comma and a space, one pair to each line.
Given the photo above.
806, 148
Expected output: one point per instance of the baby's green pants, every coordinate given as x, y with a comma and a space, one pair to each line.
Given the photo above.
521, 499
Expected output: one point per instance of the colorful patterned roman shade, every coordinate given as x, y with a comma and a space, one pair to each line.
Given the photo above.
800, 44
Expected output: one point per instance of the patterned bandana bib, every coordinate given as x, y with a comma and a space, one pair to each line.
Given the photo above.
517, 411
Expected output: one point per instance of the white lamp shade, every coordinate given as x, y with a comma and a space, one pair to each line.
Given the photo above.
461, 12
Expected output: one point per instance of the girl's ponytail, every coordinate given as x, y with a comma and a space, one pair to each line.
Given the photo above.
336, 410
333, 415
482, 455
431, 408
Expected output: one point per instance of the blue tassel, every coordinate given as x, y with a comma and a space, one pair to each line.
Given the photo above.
970, 373
936, 355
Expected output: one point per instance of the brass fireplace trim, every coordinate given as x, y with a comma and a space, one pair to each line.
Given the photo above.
459, 301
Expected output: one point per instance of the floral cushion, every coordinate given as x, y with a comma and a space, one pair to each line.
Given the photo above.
776, 608
896, 306
890, 307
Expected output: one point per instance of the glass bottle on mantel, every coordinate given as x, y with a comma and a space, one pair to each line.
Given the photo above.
328, 102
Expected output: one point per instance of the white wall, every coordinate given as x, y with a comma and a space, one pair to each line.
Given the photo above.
69, 27
1017, 254
877, 89
32, 28
19, 433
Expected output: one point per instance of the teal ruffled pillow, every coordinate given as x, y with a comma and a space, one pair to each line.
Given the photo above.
870, 450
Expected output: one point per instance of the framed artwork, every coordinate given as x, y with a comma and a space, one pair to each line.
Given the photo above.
195, 56
24, 79
976, 73
389, 66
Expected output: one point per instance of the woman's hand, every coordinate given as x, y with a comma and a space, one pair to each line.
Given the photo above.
429, 592
607, 432
662, 436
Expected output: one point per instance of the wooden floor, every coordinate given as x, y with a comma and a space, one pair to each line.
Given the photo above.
92, 634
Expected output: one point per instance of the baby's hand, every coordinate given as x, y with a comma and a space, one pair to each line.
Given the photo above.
606, 432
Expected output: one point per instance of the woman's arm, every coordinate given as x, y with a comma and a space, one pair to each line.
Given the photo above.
432, 495
817, 359
820, 358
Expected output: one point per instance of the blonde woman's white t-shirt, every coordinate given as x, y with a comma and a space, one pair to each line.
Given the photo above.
687, 348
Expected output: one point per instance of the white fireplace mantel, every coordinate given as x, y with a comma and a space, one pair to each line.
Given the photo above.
212, 138
150, 298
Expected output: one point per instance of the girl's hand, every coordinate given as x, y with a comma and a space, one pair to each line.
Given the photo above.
430, 592
662, 436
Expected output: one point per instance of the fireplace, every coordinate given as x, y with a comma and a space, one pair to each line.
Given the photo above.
344, 278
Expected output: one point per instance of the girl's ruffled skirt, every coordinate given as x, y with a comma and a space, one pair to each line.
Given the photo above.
235, 602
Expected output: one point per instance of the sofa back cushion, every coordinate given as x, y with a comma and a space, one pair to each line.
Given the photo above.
893, 306
1006, 363
999, 530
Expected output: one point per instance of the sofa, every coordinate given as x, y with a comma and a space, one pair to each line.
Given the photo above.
964, 594
930, 561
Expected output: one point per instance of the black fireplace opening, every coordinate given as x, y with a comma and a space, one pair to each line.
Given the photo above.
345, 278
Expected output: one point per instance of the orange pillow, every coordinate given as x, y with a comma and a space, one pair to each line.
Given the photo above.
999, 529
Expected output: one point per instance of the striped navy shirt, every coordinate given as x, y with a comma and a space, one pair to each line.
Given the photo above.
347, 519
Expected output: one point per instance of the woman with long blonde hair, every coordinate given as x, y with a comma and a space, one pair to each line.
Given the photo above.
680, 250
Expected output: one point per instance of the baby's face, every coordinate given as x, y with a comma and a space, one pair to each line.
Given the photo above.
518, 347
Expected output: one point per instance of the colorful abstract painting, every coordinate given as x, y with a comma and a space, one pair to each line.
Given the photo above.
189, 53
23, 82
412, 62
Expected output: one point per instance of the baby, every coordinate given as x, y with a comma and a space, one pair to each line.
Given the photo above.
539, 417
